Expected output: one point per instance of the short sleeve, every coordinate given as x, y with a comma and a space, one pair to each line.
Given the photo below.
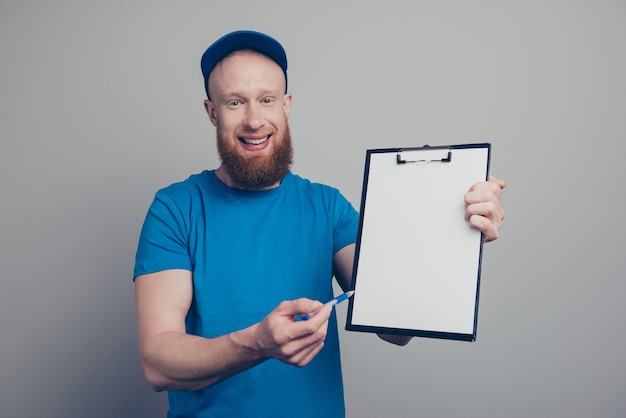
346, 223
164, 239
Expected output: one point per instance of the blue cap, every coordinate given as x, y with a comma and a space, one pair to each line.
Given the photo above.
242, 39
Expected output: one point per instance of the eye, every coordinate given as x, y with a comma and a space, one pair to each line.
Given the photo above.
267, 100
234, 103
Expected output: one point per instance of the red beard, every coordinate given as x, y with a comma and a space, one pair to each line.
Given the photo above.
256, 173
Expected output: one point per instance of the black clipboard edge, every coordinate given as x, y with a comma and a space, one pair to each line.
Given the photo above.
413, 333
399, 331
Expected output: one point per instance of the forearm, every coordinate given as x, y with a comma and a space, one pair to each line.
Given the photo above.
174, 360
178, 361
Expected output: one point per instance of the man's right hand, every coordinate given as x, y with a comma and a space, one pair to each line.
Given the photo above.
294, 342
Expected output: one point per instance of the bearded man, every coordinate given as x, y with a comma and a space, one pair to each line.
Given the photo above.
230, 258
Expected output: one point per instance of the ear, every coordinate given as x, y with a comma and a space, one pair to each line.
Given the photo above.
287, 104
210, 110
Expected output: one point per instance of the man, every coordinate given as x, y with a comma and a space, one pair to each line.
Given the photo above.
229, 258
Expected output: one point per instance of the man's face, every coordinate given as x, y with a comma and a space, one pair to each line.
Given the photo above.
249, 109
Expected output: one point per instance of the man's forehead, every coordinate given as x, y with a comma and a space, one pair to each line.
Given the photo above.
247, 65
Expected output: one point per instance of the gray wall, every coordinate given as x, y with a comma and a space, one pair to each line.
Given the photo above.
101, 105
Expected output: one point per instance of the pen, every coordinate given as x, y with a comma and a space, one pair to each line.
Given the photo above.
338, 299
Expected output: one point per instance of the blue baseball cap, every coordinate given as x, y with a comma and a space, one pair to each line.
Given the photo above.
242, 39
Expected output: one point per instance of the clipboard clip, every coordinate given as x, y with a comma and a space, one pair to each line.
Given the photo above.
424, 155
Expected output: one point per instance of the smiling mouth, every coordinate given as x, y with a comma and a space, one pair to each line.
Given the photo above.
254, 141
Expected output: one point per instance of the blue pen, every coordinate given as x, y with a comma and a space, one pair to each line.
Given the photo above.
338, 299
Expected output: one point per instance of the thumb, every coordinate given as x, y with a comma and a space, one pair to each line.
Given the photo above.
298, 306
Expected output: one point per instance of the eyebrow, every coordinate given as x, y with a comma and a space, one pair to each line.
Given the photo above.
262, 93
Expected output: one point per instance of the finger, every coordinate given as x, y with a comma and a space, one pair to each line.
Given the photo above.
312, 329
486, 194
318, 317
283, 339
500, 183
478, 197
489, 230
488, 205
492, 217
304, 348
303, 355
491, 210
291, 308
311, 314
306, 356
485, 190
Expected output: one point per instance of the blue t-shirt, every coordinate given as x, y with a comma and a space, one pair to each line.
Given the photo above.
248, 251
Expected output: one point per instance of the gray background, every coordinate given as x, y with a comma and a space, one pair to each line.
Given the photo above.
101, 105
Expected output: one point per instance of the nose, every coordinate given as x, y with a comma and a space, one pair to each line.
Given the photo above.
254, 117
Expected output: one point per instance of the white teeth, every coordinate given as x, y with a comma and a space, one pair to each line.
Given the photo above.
254, 141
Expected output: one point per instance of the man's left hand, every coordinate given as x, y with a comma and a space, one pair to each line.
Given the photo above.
484, 207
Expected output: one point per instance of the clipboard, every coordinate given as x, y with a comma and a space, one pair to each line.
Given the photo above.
417, 261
